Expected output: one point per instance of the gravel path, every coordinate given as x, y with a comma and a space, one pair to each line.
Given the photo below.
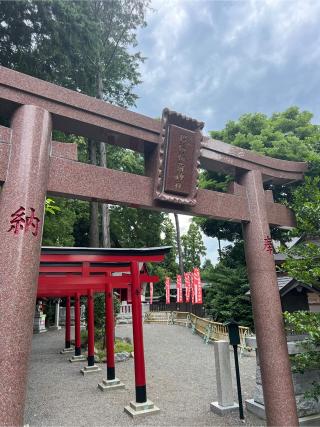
180, 381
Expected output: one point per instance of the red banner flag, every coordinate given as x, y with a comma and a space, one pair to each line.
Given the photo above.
167, 290
197, 286
179, 289
151, 292
192, 288
187, 282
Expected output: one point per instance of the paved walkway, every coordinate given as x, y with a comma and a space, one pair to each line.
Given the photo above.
180, 380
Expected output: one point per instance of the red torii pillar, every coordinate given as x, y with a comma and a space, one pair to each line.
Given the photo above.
67, 345
92, 367
111, 382
78, 357
141, 405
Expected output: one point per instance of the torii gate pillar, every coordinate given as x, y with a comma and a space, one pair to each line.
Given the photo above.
272, 345
21, 220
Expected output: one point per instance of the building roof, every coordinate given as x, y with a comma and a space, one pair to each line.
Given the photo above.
287, 283
279, 258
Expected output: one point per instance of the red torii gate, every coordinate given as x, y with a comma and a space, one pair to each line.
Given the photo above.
67, 272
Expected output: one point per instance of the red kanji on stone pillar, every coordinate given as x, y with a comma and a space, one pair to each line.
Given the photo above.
32, 221
268, 245
18, 221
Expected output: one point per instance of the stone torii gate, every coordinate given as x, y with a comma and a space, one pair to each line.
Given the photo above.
32, 166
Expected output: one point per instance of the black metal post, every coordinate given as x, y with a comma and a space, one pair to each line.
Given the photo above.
236, 362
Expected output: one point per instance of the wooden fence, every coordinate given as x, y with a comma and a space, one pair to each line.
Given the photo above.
197, 309
210, 331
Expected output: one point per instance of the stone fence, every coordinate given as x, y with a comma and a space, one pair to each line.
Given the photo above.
210, 331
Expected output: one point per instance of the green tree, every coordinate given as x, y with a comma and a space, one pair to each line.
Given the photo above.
303, 262
288, 135
169, 267
58, 225
193, 247
306, 323
225, 297
170, 262
78, 44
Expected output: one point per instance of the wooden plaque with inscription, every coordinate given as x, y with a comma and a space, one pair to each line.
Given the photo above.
178, 157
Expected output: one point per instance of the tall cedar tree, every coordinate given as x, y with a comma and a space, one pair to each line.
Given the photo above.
193, 247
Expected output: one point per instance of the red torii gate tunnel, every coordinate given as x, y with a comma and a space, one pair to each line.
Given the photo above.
32, 165
67, 272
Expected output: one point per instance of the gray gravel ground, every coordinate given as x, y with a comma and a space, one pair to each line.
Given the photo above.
180, 381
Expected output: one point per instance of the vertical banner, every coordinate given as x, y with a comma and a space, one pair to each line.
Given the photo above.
192, 288
187, 283
179, 289
167, 285
197, 286
151, 292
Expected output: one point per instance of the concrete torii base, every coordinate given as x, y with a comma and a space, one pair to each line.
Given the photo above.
222, 410
67, 350
79, 358
107, 385
90, 369
259, 410
135, 409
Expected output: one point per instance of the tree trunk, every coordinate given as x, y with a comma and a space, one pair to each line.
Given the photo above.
94, 207
105, 214
219, 250
176, 218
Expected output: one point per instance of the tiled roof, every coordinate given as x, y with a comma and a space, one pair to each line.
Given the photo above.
283, 281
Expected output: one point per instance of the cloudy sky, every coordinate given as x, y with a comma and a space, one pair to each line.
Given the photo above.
215, 60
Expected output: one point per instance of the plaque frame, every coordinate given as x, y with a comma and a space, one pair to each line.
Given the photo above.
173, 118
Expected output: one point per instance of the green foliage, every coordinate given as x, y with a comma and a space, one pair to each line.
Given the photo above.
303, 259
82, 45
170, 262
169, 266
288, 135
225, 296
306, 205
51, 207
125, 160
306, 323
303, 263
123, 346
58, 226
193, 247
99, 310
135, 228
